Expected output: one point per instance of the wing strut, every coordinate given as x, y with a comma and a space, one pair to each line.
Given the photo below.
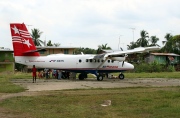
101, 64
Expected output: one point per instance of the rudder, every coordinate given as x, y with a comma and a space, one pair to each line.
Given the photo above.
22, 41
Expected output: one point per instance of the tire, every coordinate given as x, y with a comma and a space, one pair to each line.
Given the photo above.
100, 77
121, 76
81, 76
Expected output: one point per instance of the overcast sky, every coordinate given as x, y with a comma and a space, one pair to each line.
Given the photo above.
89, 23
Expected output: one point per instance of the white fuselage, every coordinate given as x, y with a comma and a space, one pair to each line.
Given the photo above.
73, 63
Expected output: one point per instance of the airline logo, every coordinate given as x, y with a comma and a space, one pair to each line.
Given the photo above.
22, 36
56, 61
110, 66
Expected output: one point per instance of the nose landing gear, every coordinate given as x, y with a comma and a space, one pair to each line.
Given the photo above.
121, 76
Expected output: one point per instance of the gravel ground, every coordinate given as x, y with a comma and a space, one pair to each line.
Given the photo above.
53, 84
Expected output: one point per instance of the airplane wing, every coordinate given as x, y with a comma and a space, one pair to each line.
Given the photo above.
122, 53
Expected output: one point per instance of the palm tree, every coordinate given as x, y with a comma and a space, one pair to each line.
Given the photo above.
168, 36
56, 44
104, 47
49, 43
132, 45
154, 41
100, 47
143, 42
36, 35
168, 43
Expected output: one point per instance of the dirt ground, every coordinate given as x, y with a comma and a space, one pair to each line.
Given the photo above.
41, 86
54, 84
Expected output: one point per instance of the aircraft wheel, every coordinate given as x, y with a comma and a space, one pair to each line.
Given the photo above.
100, 77
81, 77
121, 76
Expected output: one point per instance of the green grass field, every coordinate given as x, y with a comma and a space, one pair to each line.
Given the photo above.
126, 102
8, 87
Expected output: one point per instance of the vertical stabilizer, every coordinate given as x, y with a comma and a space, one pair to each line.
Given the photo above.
22, 41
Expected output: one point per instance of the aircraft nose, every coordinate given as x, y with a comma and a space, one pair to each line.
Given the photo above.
128, 66
131, 66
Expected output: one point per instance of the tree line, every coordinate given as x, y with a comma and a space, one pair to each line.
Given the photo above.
36, 34
171, 43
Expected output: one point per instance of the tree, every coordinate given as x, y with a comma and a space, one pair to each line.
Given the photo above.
154, 41
100, 47
143, 42
35, 36
168, 43
49, 43
56, 44
176, 44
85, 51
132, 45
168, 36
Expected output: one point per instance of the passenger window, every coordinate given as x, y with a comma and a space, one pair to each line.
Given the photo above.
90, 60
112, 61
108, 61
102, 60
94, 60
80, 60
98, 60
86, 60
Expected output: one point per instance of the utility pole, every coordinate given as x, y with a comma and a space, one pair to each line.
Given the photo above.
133, 32
119, 41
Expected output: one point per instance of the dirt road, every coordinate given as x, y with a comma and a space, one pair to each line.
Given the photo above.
53, 84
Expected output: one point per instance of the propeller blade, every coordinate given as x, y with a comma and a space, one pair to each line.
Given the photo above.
121, 49
122, 63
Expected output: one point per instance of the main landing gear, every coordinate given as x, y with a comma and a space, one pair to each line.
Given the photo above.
100, 77
82, 76
121, 76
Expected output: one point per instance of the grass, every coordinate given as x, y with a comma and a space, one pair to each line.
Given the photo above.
152, 75
126, 102
20, 75
8, 87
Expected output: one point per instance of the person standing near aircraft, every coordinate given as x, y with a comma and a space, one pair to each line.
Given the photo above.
59, 74
34, 73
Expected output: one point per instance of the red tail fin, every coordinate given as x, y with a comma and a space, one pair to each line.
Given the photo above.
22, 41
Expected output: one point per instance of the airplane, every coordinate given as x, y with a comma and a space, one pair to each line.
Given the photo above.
25, 52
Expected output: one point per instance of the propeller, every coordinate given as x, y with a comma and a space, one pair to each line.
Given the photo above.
122, 63
125, 55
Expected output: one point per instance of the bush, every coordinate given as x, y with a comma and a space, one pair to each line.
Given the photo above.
152, 67
170, 68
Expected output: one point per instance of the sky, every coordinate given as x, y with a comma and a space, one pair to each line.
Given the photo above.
89, 23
